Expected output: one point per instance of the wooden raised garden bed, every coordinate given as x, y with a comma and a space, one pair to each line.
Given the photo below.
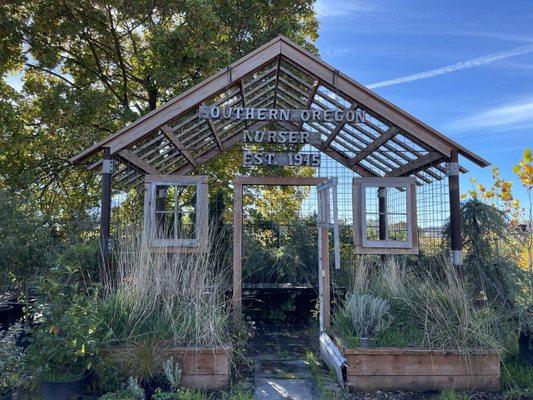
203, 368
391, 368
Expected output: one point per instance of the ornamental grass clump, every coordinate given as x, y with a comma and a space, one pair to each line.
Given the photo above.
166, 295
424, 306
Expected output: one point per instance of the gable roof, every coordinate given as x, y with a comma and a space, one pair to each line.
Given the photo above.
280, 74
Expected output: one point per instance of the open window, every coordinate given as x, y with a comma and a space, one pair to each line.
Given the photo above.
385, 215
175, 211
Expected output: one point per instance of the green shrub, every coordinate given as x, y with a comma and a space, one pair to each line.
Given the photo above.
133, 391
27, 243
369, 315
12, 360
63, 341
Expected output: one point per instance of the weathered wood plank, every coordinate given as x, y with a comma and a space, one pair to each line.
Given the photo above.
374, 145
170, 135
489, 383
422, 364
138, 161
416, 165
337, 129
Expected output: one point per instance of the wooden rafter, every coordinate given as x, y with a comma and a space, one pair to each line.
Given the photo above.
134, 159
215, 134
293, 73
337, 129
278, 67
228, 143
170, 135
376, 144
314, 89
416, 164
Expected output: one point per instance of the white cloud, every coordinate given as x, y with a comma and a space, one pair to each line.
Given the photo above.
504, 117
337, 8
472, 63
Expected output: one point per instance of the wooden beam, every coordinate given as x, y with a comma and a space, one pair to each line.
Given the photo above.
278, 66
134, 159
303, 59
170, 135
333, 153
416, 165
376, 144
310, 99
337, 129
215, 134
185, 101
226, 144
237, 253
278, 180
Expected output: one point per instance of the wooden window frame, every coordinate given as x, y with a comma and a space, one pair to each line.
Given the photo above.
366, 246
201, 211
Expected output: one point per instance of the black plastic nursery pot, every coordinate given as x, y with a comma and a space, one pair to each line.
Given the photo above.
6, 316
525, 347
63, 390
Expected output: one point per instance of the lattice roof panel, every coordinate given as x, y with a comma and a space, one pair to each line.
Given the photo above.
280, 74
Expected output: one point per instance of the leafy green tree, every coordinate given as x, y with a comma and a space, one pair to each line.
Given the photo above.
90, 67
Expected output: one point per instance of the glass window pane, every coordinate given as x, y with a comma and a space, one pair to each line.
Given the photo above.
164, 225
186, 198
186, 225
164, 198
372, 226
397, 227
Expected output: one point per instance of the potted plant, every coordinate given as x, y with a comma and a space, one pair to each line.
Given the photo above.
12, 361
62, 342
525, 334
365, 316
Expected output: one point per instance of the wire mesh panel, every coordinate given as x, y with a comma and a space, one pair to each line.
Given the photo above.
279, 235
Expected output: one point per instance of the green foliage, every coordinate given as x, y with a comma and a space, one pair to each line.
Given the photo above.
241, 394
489, 270
27, 243
172, 372
193, 394
63, 341
132, 391
369, 315
452, 394
281, 252
89, 68
430, 307
516, 378
12, 360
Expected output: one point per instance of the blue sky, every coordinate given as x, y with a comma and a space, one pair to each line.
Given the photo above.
480, 90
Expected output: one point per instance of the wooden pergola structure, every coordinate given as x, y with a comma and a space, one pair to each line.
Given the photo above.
280, 74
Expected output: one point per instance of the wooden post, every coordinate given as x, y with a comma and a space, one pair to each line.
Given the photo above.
382, 208
455, 213
105, 217
237, 251
323, 262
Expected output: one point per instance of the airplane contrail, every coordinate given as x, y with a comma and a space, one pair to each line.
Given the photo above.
474, 62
